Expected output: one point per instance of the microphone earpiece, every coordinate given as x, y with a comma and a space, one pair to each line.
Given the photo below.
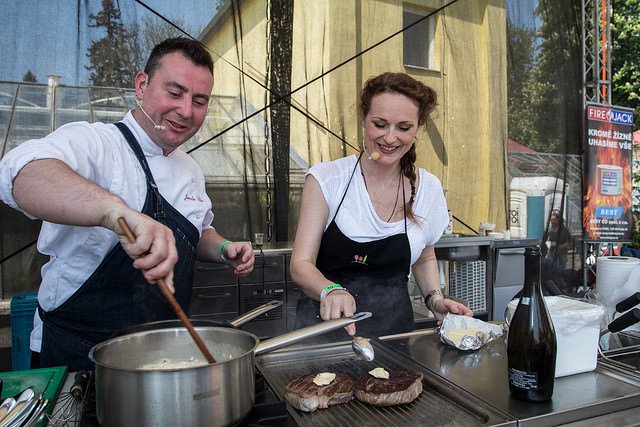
372, 156
155, 125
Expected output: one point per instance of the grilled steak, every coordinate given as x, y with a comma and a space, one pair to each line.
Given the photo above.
303, 394
401, 388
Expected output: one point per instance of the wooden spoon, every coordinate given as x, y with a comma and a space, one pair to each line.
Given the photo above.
172, 301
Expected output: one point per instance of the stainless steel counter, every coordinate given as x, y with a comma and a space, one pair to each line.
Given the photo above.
483, 373
461, 241
276, 248
444, 242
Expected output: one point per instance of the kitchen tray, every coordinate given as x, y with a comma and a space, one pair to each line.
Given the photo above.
441, 402
49, 381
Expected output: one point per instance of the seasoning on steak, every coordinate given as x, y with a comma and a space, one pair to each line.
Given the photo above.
303, 394
401, 388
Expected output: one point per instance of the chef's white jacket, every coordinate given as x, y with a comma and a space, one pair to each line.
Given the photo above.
100, 153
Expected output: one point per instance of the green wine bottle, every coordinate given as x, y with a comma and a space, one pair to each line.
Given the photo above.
531, 343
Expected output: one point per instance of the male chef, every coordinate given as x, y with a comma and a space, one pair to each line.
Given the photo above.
80, 179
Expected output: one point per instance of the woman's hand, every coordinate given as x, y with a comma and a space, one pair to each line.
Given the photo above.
441, 306
240, 257
339, 303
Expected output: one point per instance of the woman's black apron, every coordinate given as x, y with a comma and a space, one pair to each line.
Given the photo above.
116, 295
375, 273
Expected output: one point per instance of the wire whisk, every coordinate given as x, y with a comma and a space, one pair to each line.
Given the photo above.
72, 404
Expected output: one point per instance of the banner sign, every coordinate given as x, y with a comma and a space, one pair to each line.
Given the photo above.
607, 206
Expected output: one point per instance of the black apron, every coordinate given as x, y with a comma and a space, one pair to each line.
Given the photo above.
375, 273
117, 295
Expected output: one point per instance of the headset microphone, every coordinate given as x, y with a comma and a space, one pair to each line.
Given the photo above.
372, 156
156, 126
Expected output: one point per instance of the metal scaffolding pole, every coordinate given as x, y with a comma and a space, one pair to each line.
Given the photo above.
596, 48
596, 76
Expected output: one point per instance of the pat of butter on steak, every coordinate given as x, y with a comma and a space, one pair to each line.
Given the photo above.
379, 373
303, 394
324, 378
401, 388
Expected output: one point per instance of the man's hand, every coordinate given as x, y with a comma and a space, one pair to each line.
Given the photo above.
154, 251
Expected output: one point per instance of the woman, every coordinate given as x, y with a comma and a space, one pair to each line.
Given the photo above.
366, 219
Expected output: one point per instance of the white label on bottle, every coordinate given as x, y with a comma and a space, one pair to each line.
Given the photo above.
523, 380
525, 301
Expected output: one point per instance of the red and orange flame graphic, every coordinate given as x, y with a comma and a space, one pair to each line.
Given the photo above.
593, 197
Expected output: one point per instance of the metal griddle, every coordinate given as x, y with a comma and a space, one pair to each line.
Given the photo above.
441, 402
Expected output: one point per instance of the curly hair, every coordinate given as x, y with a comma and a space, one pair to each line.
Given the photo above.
424, 97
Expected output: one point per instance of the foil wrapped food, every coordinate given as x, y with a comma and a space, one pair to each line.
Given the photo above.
467, 333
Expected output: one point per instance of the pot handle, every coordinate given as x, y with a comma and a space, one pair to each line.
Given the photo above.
308, 332
252, 314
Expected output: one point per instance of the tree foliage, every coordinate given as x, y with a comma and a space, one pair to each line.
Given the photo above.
116, 57
153, 31
521, 62
625, 87
543, 69
29, 77
625, 60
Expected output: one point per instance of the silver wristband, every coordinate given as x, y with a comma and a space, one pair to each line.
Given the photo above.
427, 298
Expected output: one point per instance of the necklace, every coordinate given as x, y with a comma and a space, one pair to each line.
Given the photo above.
395, 204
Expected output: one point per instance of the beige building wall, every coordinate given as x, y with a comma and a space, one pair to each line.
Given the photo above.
465, 144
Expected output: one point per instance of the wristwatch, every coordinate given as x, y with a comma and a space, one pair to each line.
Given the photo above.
428, 296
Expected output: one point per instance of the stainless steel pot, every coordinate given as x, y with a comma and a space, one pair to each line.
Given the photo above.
218, 394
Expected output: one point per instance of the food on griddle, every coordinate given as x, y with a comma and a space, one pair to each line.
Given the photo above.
324, 378
381, 373
401, 388
305, 394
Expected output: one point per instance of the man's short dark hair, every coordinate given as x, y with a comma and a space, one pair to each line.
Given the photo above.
191, 49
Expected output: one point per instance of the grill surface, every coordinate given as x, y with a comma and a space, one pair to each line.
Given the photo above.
441, 403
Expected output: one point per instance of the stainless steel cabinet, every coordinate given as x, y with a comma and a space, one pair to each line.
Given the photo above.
293, 293
265, 283
215, 292
508, 272
469, 271
219, 295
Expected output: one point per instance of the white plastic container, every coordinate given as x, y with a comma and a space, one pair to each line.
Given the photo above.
577, 326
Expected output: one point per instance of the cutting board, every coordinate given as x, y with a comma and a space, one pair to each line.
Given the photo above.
48, 381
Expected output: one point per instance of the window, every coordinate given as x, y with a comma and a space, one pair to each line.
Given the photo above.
418, 41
